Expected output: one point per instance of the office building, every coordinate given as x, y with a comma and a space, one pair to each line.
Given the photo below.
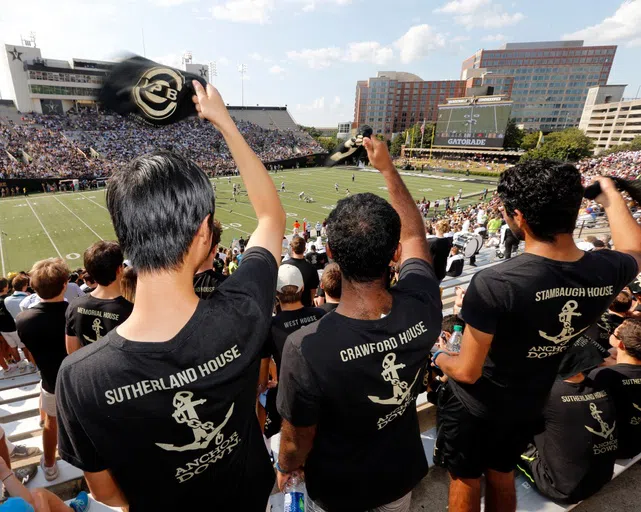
609, 119
550, 80
392, 101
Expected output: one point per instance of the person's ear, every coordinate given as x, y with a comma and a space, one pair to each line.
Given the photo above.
329, 252
397, 253
204, 234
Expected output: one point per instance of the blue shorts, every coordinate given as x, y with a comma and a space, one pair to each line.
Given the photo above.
16, 505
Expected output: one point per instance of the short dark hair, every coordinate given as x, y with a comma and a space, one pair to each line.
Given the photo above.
363, 233
298, 245
331, 281
450, 321
20, 282
629, 333
102, 261
216, 233
157, 204
48, 277
548, 193
3, 283
289, 295
622, 302
128, 284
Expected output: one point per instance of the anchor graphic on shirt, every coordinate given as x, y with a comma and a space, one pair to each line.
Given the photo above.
95, 327
606, 431
204, 433
565, 317
400, 389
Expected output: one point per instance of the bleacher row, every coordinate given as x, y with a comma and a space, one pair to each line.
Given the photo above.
20, 419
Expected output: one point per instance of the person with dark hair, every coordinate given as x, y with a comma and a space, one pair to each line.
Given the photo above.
89, 284
618, 311
331, 282
310, 274
521, 318
573, 455
73, 290
41, 329
10, 335
20, 283
623, 382
293, 315
455, 263
364, 361
92, 316
207, 279
173, 388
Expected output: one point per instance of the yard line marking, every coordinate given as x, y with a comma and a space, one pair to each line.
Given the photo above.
44, 229
97, 204
72, 213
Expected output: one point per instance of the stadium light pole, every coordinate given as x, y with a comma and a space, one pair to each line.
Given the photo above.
242, 69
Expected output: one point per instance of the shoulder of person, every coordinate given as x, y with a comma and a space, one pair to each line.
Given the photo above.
88, 357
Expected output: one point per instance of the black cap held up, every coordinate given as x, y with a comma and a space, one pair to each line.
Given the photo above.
151, 92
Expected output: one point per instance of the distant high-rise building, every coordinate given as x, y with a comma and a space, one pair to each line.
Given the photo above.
392, 101
550, 79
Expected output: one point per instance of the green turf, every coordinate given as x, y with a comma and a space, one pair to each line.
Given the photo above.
65, 224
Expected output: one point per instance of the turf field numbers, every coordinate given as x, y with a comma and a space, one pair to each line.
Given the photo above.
235, 225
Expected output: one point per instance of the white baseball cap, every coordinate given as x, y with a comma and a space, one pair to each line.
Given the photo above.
289, 275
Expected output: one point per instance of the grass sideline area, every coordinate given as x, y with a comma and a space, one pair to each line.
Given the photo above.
65, 224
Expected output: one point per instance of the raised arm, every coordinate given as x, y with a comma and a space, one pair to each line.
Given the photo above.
413, 241
626, 232
260, 187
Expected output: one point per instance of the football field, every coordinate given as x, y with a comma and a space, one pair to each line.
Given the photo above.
65, 224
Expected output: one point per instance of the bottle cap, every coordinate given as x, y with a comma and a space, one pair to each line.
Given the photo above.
458, 328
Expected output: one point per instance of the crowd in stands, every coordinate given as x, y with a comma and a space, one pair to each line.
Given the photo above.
185, 357
61, 145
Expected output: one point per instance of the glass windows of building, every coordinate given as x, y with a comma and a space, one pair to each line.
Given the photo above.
62, 90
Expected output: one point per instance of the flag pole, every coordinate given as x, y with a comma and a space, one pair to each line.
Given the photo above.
423, 133
432, 143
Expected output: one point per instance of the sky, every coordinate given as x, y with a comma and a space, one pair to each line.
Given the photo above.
308, 54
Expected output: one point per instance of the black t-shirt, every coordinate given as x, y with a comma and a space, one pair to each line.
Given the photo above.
285, 323
317, 259
42, 330
623, 382
184, 407
609, 322
328, 307
440, 249
578, 446
90, 318
206, 282
534, 307
310, 278
7, 324
357, 381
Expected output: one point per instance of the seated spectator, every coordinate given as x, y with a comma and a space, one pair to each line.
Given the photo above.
92, 316
455, 263
293, 315
574, 454
331, 284
623, 383
174, 387
41, 329
207, 279
365, 361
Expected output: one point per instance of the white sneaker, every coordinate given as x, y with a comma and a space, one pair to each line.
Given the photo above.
50, 473
10, 372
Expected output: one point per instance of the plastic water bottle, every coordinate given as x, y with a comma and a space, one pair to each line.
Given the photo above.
295, 495
454, 344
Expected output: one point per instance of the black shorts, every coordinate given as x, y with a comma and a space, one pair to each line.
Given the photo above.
467, 445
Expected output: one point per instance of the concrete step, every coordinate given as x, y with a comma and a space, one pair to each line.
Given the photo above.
19, 409
20, 393
11, 376
20, 429
20, 380
68, 473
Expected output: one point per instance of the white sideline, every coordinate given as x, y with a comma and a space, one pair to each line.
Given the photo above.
76, 216
43, 228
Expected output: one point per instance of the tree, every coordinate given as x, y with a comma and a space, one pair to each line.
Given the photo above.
568, 145
328, 143
633, 145
395, 148
314, 132
530, 140
513, 135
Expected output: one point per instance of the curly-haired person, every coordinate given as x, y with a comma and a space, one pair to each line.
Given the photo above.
521, 318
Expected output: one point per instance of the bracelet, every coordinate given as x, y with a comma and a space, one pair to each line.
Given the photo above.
436, 354
8, 476
279, 469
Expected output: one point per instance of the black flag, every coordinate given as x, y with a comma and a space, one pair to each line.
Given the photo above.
350, 148
152, 92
